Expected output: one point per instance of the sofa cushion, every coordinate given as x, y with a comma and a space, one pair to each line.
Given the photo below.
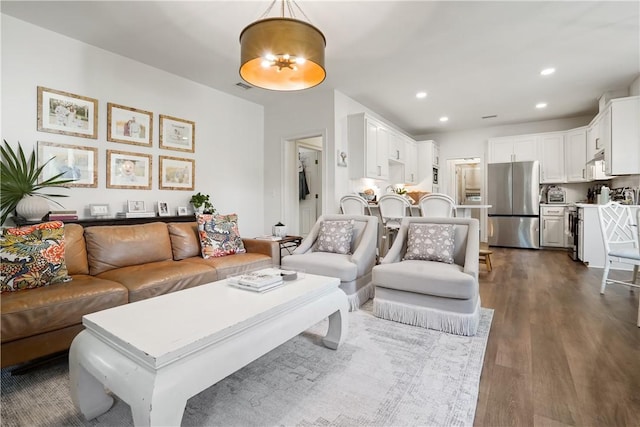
75, 250
185, 242
323, 263
36, 311
32, 256
219, 235
430, 242
234, 264
113, 247
334, 237
426, 277
158, 278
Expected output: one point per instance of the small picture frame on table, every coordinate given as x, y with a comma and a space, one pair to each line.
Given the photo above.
163, 209
136, 206
99, 210
183, 211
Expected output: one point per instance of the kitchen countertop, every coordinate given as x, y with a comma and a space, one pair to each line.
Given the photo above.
595, 205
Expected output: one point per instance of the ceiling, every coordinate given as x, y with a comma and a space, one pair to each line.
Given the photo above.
474, 59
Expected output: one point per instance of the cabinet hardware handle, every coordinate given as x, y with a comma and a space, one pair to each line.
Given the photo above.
379, 170
583, 174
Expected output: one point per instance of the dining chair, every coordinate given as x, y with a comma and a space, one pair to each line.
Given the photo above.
437, 205
352, 204
620, 236
392, 207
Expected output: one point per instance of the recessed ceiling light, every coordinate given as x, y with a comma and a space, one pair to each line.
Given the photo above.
421, 95
547, 71
444, 119
541, 105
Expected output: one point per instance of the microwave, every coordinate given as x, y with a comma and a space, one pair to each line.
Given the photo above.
435, 175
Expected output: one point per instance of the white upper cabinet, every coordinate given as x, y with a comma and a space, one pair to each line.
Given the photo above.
575, 155
426, 164
593, 138
368, 148
551, 147
396, 147
620, 134
411, 162
521, 148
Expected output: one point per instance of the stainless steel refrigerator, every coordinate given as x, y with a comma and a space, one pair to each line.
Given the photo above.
513, 193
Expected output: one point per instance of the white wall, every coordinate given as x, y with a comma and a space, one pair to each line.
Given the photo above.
227, 127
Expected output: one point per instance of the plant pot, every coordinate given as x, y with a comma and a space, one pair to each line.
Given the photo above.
33, 208
199, 210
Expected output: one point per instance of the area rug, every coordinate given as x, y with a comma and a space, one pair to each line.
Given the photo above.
384, 374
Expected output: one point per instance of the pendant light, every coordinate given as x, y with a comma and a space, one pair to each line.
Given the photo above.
283, 53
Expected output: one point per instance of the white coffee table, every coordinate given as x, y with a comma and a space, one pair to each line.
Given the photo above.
157, 353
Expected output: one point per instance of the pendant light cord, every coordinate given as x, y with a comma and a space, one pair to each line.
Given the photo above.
290, 8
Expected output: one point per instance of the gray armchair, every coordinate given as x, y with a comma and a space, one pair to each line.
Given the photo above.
354, 269
431, 294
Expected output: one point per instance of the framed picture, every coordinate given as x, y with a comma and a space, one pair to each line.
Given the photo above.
128, 170
177, 134
182, 210
99, 210
176, 173
163, 209
67, 114
73, 161
129, 125
136, 206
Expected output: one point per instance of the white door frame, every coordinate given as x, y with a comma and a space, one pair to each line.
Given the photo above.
289, 204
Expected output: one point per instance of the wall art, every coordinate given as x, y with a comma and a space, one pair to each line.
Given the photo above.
129, 125
73, 161
128, 170
177, 134
176, 173
66, 113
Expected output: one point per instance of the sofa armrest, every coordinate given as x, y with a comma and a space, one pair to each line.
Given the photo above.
266, 247
472, 252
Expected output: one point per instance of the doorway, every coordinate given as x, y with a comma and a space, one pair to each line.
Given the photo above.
466, 186
309, 185
303, 153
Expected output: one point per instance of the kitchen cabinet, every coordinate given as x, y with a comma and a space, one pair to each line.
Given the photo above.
368, 147
519, 148
411, 162
575, 155
551, 147
620, 134
552, 230
593, 138
596, 172
396, 147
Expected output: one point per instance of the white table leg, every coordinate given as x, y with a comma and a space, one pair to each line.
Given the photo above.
87, 393
158, 409
337, 330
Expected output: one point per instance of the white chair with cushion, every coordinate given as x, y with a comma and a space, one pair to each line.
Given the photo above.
429, 278
393, 208
354, 205
620, 237
437, 205
342, 246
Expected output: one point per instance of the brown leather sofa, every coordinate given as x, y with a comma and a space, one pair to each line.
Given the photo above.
111, 266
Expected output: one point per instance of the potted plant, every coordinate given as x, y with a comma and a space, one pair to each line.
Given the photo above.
19, 184
202, 203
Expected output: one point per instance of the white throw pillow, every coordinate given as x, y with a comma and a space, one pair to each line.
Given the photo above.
430, 242
335, 237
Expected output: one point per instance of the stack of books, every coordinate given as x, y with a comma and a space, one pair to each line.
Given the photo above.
62, 215
135, 214
259, 281
269, 237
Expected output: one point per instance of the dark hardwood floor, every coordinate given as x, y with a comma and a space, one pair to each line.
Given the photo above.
559, 353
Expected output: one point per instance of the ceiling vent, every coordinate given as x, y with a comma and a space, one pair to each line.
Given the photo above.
243, 85
493, 116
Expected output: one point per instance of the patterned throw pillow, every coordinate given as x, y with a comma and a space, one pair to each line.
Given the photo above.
430, 242
32, 256
335, 237
219, 235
